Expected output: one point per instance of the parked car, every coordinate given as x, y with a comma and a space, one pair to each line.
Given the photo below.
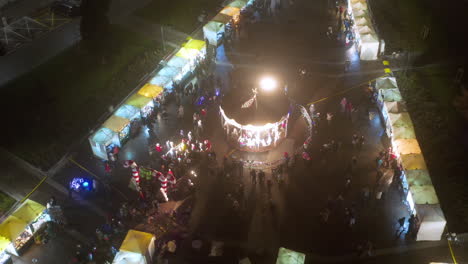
65, 9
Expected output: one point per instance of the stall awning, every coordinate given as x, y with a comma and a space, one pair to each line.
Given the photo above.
413, 162
116, 123
359, 6
400, 120
150, 91
238, 3
169, 72
287, 256
213, 26
369, 38
160, 80
230, 11
407, 146
195, 44
103, 136
29, 211
137, 242
4, 242
139, 101
124, 257
424, 194
127, 111
177, 62
395, 107
432, 222
222, 18
359, 13
12, 227
191, 49
391, 95
418, 177
364, 29
386, 83
362, 21
403, 133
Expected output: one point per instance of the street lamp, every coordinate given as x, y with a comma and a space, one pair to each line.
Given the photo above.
268, 84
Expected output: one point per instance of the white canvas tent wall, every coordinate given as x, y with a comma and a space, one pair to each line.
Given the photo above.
432, 222
391, 95
124, 257
102, 138
369, 47
211, 31
386, 83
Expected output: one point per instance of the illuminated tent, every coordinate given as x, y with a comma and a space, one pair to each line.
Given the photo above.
128, 111
364, 29
230, 11
169, 72
423, 194
400, 120
359, 6
192, 49
386, 83
222, 18
407, 146
361, 21
4, 243
395, 107
432, 222
287, 256
162, 81
119, 125
238, 3
140, 102
102, 138
369, 47
391, 95
177, 61
413, 162
150, 91
359, 13
12, 227
29, 211
137, 248
403, 133
212, 31
418, 177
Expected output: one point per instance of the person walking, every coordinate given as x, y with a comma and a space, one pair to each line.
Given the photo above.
253, 176
354, 140
329, 118
180, 112
261, 176
343, 104
360, 142
349, 109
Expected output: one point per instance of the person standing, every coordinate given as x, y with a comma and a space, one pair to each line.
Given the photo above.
253, 176
312, 110
329, 118
343, 104
349, 109
360, 142
180, 112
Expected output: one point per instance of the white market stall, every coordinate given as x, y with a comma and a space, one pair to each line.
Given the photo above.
119, 125
102, 141
432, 222
214, 29
129, 112
137, 248
369, 47
144, 104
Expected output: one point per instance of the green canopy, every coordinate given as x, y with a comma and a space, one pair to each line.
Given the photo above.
287, 256
418, 177
391, 95
238, 3
138, 100
386, 83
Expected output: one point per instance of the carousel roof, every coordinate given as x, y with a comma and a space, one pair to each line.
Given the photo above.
269, 107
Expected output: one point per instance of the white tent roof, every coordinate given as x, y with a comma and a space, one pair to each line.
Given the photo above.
432, 222
369, 38
395, 107
364, 29
386, 83
360, 6
391, 95
361, 21
358, 13
125, 257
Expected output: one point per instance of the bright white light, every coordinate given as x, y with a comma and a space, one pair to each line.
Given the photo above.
268, 84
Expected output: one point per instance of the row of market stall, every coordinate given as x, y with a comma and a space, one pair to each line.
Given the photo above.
420, 194
21, 229
368, 42
115, 131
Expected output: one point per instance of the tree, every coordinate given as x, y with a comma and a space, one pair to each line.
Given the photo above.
95, 24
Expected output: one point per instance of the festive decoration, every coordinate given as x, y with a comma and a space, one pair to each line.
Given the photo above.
165, 179
249, 102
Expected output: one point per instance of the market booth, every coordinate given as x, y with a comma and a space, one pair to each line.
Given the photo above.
432, 222
150, 91
102, 141
137, 248
129, 112
18, 229
214, 29
193, 52
119, 125
238, 4
144, 104
287, 256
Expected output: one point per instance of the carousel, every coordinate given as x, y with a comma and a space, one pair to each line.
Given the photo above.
256, 120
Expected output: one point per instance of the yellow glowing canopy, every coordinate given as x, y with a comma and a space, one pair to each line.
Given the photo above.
116, 123
3, 243
139, 101
137, 242
230, 11
12, 227
150, 90
195, 44
29, 211
407, 146
413, 162
222, 18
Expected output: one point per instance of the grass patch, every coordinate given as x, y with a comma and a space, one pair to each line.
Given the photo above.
182, 15
60, 101
6, 202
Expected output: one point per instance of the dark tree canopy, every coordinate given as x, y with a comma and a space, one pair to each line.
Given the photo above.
95, 22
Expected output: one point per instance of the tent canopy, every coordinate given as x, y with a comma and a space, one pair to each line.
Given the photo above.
187, 53
413, 162
150, 91
177, 61
103, 136
4, 242
12, 227
359, 6
238, 3
364, 29
214, 26
407, 146
361, 21
195, 44
127, 111
403, 133
391, 95
386, 83
116, 123
424, 194
124, 257
287, 256
418, 177
369, 38
136, 241
139, 101
160, 80
230, 11
169, 71
400, 120
359, 13
432, 222
222, 18
395, 107
29, 211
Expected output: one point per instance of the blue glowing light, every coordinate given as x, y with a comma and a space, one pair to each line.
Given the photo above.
85, 184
